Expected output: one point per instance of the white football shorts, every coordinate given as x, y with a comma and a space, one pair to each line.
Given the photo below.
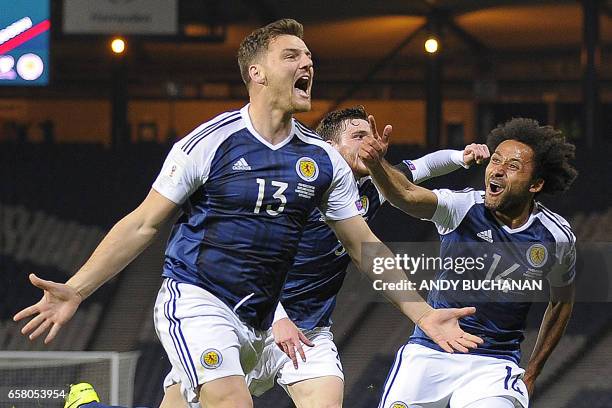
321, 360
203, 338
421, 375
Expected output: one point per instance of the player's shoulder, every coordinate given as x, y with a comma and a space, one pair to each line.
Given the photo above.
218, 128
454, 206
558, 226
366, 186
466, 197
310, 137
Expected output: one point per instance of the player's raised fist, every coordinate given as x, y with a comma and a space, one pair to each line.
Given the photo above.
475, 153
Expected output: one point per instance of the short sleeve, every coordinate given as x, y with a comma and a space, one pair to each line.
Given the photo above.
179, 177
341, 200
452, 208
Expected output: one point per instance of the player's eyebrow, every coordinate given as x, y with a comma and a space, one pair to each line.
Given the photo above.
360, 133
510, 159
297, 51
518, 159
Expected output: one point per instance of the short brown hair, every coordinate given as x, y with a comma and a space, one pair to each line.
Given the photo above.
256, 42
334, 122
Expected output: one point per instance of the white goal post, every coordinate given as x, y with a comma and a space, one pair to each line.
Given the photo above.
29, 376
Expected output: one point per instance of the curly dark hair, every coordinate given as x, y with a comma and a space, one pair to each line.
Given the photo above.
257, 42
334, 122
552, 152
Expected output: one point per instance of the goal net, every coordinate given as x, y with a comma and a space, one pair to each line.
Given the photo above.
42, 379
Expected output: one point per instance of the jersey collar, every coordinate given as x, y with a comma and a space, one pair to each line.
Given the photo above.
247, 119
527, 224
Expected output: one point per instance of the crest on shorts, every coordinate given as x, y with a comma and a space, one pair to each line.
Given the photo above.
537, 255
398, 404
211, 358
307, 169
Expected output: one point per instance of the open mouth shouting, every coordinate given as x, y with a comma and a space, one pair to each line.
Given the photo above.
302, 85
496, 187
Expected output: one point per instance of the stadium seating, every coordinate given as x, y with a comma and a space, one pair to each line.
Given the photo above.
589, 398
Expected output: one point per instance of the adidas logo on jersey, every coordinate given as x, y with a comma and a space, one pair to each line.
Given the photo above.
486, 235
241, 165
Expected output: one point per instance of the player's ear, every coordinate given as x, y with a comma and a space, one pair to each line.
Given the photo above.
536, 186
257, 74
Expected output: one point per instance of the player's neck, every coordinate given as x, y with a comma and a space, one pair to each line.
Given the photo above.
272, 124
515, 217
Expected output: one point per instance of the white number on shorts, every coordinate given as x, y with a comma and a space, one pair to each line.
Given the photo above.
277, 195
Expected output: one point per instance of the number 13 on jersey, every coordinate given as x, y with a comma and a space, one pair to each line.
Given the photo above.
278, 195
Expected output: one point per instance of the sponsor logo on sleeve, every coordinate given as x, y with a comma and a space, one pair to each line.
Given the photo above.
410, 165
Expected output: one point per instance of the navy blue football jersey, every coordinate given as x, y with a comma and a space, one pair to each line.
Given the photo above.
544, 247
319, 268
245, 205
309, 294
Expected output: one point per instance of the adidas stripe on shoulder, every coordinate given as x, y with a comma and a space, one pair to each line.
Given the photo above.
190, 141
306, 130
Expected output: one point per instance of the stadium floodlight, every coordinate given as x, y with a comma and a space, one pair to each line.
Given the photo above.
431, 45
118, 45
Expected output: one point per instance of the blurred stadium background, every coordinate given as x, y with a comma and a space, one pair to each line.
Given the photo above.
83, 132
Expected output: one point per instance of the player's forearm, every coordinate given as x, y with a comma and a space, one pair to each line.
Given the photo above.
401, 193
437, 164
553, 326
409, 302
124, 242
391, 182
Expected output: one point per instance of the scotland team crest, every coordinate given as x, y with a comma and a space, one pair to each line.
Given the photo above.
365, 204
537, 255
211, 358
399, 404
307, 169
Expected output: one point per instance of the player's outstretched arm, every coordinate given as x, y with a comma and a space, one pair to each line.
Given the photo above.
441, 325
124, 242
554, 322
442, 162
414, 200
392, 183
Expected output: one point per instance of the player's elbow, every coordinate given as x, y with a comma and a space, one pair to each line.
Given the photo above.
147, 231
409, 203
400, 197
139, 225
